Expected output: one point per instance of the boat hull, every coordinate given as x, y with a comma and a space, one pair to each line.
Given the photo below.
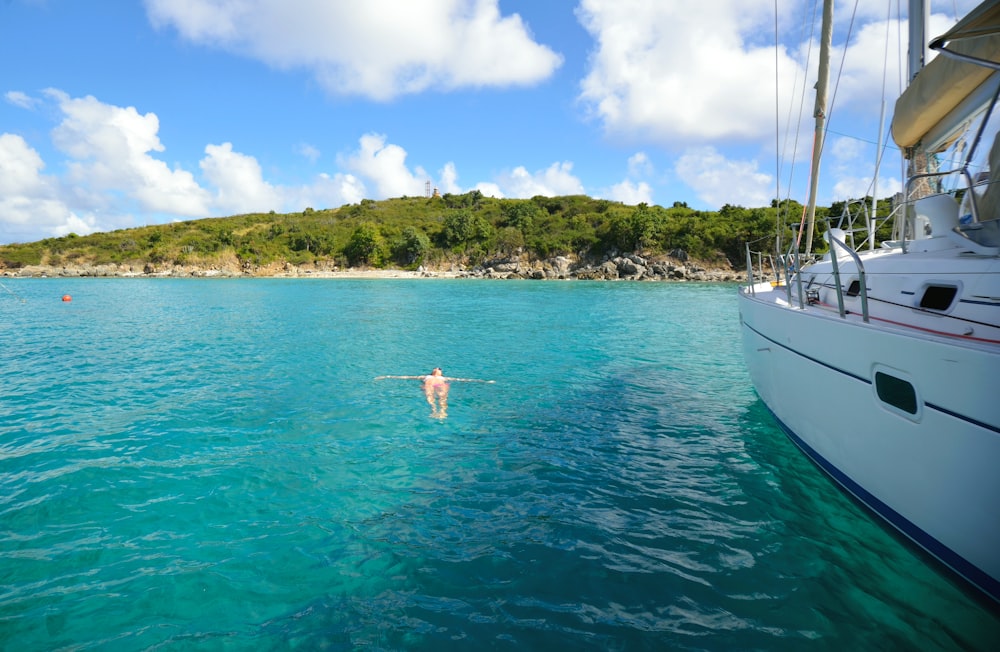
928, 463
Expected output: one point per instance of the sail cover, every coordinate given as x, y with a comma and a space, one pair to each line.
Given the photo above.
981, 21
945, 82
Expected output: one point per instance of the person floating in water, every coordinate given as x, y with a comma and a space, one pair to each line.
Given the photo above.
436, 389
436, 386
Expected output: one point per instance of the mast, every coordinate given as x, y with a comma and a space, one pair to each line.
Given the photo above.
822, 84
918, 13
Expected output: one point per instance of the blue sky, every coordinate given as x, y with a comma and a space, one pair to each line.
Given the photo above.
116, 114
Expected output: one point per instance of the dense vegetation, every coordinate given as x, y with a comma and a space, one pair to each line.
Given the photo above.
408, 232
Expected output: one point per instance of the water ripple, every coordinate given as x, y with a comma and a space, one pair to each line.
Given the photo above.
208, 465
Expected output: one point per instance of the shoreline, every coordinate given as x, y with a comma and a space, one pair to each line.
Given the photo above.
619, 268
703, 276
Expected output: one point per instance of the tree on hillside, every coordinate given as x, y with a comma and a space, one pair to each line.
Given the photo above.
519, 214
365, 245
466, 230
413, 246
632, 230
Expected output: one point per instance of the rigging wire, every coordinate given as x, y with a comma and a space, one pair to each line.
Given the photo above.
900, 75
792, 127
883, 146
819, 141
840, 74
12, 293
777, 137
802, 101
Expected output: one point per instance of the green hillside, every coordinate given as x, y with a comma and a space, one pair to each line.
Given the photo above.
412, 231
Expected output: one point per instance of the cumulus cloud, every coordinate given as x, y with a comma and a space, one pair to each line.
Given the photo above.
553, 181
701, 82
661, 71
110, 147
20, 167
378, 48
330, 190
519, 183
449, 180
846, 160
30, 206
848, 187
111, 175
239, 183
490, 189
720, 181
385, 165
631, 192
633, 189
680, 76
639, 165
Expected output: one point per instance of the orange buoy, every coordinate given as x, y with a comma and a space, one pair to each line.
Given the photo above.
66, 297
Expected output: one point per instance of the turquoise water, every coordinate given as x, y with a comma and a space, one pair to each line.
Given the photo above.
209, 464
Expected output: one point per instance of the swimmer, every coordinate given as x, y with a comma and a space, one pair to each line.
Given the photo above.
436, 386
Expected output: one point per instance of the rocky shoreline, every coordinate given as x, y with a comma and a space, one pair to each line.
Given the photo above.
630, 268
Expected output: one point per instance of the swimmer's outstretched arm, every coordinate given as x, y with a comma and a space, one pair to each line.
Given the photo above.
449, 378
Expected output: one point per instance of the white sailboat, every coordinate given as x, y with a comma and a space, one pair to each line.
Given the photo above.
883, 364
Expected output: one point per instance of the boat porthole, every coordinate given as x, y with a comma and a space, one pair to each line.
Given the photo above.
898, 394
938, 297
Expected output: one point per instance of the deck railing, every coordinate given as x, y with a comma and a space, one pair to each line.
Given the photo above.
863, 286
791, 263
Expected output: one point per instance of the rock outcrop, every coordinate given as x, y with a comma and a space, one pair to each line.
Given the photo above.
618, 268
615, 268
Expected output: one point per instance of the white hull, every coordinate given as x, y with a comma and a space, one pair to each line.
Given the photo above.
927, 462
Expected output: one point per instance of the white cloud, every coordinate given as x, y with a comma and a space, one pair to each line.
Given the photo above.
385, 165
553, 181
110, 147
449, 180
489, 189
848, 187
639, 165
110, 175
704, 81
30, 207
308, 151
845, 149
76, 224
719, 181
631, 193
239, 183
20, 167
17, 98
673, 75
377, 48
326, 191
